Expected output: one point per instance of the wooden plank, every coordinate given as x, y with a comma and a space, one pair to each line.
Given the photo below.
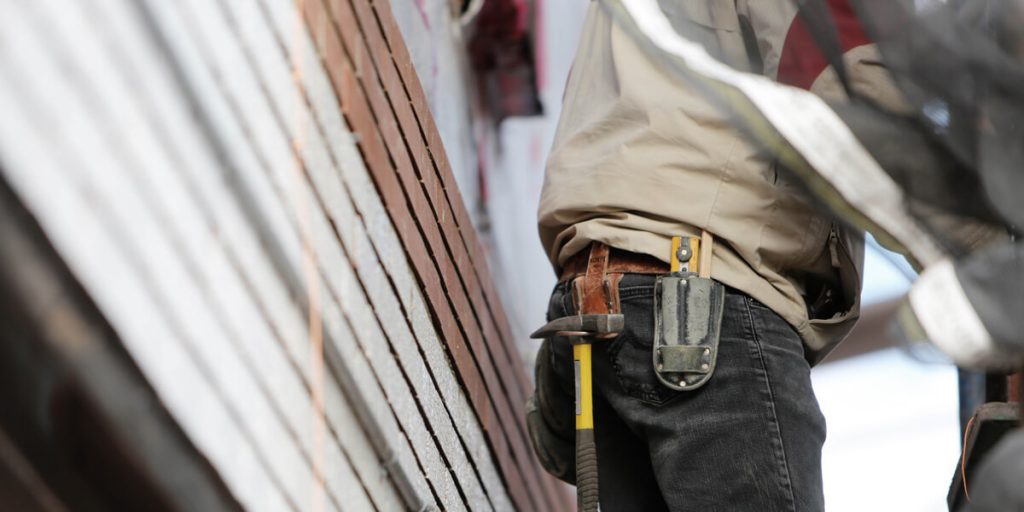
375, 280
387, 246
391, 193
326, 247
460, 304
435, 188
145, 218
467, 369
398, 105
417, 100
331, 448
453, 337
37, 157
270, 206
213, 272
424, 206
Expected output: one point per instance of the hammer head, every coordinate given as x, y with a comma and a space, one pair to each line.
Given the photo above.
583, 326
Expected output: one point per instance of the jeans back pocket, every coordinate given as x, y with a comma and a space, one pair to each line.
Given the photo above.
630, 352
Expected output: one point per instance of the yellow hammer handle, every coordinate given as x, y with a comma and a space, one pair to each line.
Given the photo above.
586, 449
581, 355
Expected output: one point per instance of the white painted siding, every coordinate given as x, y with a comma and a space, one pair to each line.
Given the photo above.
190, 163
438, 50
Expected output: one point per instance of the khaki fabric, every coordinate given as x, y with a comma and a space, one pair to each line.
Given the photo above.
639, 157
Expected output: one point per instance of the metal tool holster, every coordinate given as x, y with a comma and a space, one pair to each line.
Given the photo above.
688, 308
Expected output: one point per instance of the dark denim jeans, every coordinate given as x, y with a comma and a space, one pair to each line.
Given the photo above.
750, 439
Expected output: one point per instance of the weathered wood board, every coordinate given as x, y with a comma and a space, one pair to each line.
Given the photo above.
254, 195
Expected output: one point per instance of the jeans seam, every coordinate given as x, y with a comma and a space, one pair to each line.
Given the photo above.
567, 306
780, 448
635, 291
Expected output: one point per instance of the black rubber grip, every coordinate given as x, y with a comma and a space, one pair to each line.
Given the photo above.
586, 471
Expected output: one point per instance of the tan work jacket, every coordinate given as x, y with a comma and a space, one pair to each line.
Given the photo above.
639, 157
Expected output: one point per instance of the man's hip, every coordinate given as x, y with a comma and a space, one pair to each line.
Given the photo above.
751, 437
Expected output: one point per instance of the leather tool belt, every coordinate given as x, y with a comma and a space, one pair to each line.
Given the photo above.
618, 262
596, 272
688, 304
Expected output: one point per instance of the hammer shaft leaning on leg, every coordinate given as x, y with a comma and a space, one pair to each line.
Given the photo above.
582, 330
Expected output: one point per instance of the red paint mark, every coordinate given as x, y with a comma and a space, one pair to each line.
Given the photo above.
421, 6
521, 11
802, 61
481, 165
536, 151
540, 46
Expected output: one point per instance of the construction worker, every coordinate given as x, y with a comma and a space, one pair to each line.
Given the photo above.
639, 158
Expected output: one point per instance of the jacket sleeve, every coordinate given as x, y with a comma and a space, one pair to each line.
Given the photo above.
791, 56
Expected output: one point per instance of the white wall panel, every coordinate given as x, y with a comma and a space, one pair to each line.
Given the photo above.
189, 162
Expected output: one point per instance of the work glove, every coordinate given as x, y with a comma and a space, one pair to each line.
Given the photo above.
550, 421
972, 310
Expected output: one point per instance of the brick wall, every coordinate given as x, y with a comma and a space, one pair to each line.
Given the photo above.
255, 196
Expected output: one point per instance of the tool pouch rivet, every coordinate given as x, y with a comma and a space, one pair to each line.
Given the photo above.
688, 320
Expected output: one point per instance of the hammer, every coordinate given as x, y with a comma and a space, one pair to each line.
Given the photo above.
582, 330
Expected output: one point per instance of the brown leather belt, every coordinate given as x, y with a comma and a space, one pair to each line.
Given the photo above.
601, 268
619, 262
